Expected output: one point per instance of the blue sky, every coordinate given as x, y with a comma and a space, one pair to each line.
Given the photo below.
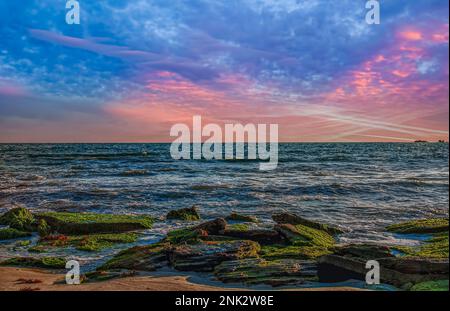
132, 68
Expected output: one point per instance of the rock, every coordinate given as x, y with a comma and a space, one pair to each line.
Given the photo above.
263, 237
238, 217
441, 285
432, 225
101, 276
18, 218
143, 258
364, 251
260, 271
188, 214
205, 256
415, 265
213, 227
305, 236
272, 252
87, 223
335, 268
43, 262
11, 233
288, 218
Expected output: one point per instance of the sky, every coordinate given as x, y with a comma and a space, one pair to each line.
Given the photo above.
133, 68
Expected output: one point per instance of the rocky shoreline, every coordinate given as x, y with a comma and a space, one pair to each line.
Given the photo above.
233, 250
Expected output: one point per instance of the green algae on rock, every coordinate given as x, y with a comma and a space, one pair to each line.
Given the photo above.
187, 214
144, 258
93, 242
440, 285
288, 218
44, 262
185, 235
293, 251
18, 218
436, 247
101, 276
11, 233
259, 271
432, 225
87, 223
302, 235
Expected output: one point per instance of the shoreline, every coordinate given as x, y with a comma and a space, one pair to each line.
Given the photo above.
10, 276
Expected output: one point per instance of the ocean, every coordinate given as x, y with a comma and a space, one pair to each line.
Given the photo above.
361, 187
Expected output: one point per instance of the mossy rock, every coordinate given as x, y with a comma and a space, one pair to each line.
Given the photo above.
293, 252
440, 285
238, 227
363, 251
18, 218
259, 271
44, 262
102, 276
87, 223
187, 214
288, 218
206, 255
436, 247
302, 235
185, 235
239, 217
432, 225
11, 233
90, 243
144, 258
262, 236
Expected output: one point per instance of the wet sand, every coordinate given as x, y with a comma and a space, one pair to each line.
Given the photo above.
10, 281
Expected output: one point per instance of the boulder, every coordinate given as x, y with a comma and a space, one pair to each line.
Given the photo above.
260, 271
188, 214
18, 218
288, 218
205, 256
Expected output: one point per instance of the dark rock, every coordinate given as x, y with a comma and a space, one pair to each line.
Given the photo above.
288, 218
188, 214
416, 265
263, 237
213, 227
364, 251
260, 271
205, 256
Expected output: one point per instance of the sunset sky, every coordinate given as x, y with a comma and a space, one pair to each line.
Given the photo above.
134, 68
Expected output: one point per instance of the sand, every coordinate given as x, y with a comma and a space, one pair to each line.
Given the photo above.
10, 281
